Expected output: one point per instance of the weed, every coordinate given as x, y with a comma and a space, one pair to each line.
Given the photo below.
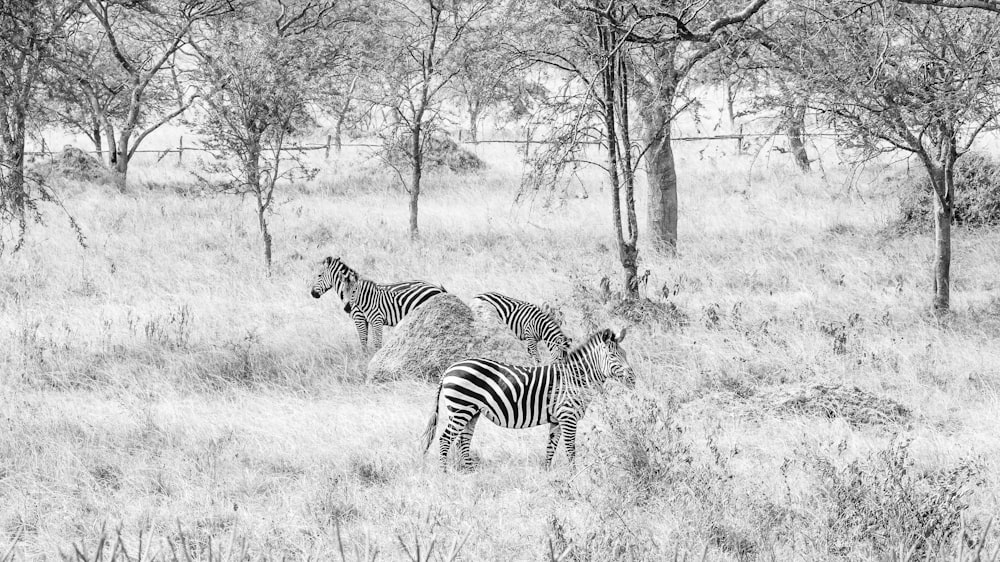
884, 501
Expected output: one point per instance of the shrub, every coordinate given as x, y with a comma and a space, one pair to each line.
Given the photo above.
977, 196
641, 451
884, 502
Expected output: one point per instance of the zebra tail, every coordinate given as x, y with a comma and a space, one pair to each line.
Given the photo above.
432, 423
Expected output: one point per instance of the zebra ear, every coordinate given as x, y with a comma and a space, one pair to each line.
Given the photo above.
621, 336
328, 261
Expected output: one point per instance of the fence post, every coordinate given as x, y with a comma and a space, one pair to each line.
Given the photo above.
180, 150
327, 152
739, 141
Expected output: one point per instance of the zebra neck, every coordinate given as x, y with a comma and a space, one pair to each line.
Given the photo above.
363, 291
582, 371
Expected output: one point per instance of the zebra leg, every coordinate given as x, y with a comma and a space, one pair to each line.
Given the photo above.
361, 323
533, 351
550, 450
456, 424
465, 442
376, 325
568, 424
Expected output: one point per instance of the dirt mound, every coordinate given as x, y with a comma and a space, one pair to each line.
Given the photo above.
647, 311
440, 151
977, 196
442, 331
856, 406
74, 164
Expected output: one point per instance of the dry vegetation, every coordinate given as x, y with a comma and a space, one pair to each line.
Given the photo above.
158, 380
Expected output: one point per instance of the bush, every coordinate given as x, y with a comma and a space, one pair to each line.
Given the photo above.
977, 196
884, 502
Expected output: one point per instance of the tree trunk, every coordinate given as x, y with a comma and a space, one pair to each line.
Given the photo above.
252, 173
12, 189
417, 162
615, 109
473, 123
120, 160
338, 126
661, 173
262, 219
120, 167
730, 94
942, 180
96, 137
628, 250
662, 178
795, 123
13, 176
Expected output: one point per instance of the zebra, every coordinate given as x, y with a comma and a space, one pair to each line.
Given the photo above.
519, 397
371, 305
529, 323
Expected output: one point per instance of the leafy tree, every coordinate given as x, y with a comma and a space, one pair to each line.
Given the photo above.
591, 104
143, 39
29, 30
421, 48
260, 72
912, 77
675, 38
490, 79
83, 90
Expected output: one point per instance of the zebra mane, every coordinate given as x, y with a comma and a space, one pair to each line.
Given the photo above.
600, 336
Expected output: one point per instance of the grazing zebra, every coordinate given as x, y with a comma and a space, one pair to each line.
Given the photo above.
530, 323
519, 397
371, 305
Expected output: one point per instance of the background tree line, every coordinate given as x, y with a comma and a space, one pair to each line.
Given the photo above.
913, 76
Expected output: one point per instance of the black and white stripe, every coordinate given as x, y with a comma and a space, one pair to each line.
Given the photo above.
529, 323
371, 305
519, 397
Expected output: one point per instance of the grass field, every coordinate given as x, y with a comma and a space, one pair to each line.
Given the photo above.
158, 380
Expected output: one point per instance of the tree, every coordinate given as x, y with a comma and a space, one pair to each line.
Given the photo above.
28, 32
422, 47
259, 72
83, 89
676, 37
487, 80
592, 104
143, 39
921, 79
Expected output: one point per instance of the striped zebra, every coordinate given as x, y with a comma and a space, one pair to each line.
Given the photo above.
519, 397
529, 323
371, 305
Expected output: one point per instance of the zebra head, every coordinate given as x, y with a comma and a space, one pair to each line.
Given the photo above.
334, 274
611, 359
561, 346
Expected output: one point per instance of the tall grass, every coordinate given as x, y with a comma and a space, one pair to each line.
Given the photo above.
158, 375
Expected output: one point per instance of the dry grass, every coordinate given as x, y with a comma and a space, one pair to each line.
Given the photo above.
159, 377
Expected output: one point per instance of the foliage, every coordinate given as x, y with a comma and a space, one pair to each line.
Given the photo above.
977, 196
419, 50
885, 501
642, 450
260, 74
28, 33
